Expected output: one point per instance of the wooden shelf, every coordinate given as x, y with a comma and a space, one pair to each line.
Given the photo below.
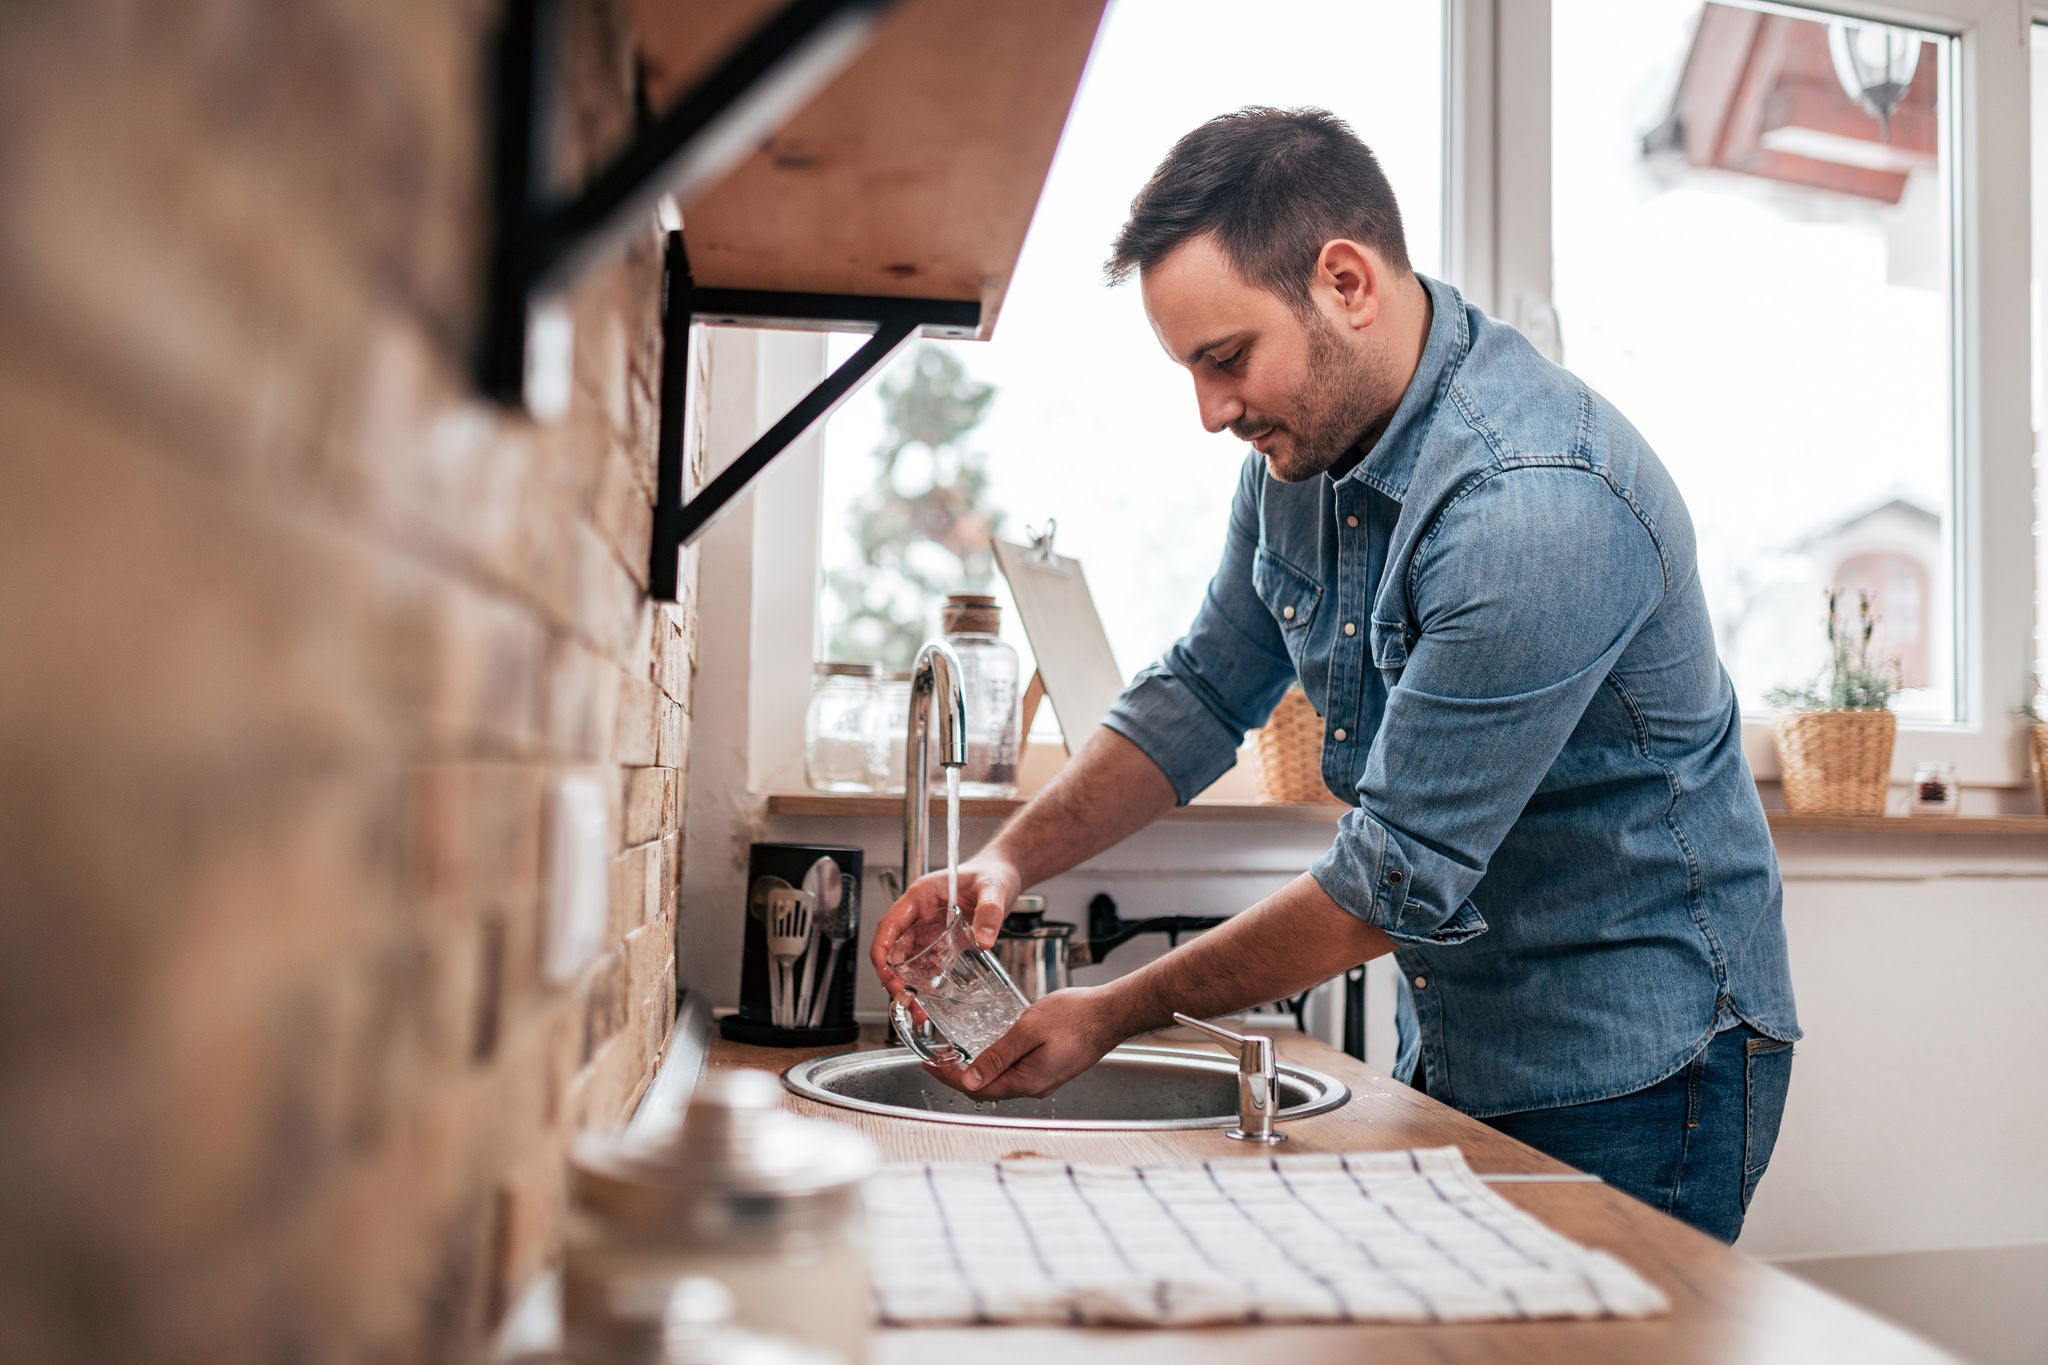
913, 175
989, 808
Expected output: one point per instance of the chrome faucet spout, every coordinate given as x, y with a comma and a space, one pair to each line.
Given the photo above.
935, 689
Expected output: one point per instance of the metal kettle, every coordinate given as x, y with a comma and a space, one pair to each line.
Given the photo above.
1038, 956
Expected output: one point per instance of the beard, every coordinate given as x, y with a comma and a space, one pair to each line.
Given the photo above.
1340, 398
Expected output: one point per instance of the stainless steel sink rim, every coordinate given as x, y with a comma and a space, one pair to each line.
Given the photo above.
812, 1080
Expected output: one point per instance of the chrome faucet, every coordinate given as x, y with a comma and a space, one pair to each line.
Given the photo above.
1258, 1079
935, 686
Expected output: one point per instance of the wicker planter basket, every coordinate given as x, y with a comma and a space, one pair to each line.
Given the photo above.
1290, 750
2040, 728
1835, 762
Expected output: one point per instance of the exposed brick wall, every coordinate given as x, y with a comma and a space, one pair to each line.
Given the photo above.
295, 633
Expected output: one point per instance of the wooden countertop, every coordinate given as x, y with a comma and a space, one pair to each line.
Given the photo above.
1725, 1307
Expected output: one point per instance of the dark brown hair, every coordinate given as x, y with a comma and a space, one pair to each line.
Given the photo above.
1274, 185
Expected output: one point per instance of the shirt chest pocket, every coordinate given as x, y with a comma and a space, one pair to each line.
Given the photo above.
1291, 595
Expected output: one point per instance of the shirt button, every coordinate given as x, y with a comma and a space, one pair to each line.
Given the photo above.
1421, 983
1395, 876
1339, 735
1351, 521
1350, 628
1287, 613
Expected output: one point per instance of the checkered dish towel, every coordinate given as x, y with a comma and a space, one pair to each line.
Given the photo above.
1410, 1236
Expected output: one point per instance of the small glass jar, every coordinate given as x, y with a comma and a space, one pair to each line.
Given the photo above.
1934, 788
840, 726
766, 1203
988, 669
887, 764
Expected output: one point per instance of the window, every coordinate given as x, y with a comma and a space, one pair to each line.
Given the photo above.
1087, 422
1819, 330
1753, 259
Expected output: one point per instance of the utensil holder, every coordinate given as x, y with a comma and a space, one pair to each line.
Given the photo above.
830, 875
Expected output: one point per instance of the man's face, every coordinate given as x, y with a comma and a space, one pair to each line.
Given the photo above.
1295, 386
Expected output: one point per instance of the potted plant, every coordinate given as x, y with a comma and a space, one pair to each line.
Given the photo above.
1835, 736
2036, 712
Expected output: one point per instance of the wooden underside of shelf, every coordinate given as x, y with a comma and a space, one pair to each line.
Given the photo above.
913, 175
988, 808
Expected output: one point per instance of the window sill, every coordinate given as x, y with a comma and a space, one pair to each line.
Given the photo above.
1992, 755
852, 804
2025, 826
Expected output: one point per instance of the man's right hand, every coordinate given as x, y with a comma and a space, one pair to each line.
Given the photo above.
987, 887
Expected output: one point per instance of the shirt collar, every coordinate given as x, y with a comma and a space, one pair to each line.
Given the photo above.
1391, 461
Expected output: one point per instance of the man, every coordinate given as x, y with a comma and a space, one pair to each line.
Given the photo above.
1485, 582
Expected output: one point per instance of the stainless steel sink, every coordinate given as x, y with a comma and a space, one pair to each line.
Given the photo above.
1133, 1087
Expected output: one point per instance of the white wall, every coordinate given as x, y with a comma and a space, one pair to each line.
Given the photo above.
1909, 1175
747, 633
1917, 1111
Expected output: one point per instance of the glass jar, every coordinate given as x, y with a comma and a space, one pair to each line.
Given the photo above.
766, 1203
1934, 788
840, 726
988, 675
887, 764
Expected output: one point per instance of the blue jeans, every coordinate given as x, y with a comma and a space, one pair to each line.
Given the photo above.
1693, 1145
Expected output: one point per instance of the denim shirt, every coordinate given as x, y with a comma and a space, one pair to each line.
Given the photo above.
1498, 616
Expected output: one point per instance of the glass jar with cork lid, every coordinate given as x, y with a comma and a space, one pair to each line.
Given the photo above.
989, 667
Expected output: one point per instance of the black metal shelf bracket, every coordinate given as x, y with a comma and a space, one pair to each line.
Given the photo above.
891, 323
543, 237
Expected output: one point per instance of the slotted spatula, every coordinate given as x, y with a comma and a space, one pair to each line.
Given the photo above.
789, 934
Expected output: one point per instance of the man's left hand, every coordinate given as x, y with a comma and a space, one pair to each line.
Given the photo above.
1056, 1040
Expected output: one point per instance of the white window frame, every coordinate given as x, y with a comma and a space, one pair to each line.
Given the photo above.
1501, 204
1497, 216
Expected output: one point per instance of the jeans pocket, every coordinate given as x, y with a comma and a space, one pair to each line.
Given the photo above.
1766, 1079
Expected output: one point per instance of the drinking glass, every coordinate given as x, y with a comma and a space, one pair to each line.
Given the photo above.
967, 998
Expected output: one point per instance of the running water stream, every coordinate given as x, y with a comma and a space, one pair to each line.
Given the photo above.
952, 841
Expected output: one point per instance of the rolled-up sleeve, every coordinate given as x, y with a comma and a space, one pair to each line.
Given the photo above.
1526, 592
1190, 711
